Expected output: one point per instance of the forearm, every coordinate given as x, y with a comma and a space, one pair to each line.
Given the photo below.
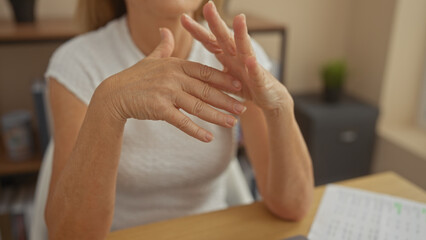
289, 183
82, 203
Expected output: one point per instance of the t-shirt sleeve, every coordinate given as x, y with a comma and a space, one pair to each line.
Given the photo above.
68, 65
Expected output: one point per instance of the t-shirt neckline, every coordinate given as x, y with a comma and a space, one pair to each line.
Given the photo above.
133, 48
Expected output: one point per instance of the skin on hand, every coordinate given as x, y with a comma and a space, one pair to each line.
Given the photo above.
273, 140
158, 86
236, 54
93, 152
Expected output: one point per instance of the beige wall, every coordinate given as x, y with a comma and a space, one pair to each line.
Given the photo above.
401, 147
405, 67
392, 157
316, 33
367, 43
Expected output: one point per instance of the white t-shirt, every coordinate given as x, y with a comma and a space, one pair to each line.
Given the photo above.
163, 173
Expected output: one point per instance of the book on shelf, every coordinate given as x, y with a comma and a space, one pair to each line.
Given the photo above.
16, 207
41, 112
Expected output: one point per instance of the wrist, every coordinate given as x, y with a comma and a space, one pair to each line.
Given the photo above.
282, 108
102, 104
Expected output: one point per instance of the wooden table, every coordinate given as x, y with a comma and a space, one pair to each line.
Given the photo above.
255, 222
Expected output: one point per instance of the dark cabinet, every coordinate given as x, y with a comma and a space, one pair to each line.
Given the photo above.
340, 136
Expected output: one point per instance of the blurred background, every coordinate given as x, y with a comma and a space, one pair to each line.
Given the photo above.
356, 69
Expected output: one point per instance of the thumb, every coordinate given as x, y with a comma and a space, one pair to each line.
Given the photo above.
166, 46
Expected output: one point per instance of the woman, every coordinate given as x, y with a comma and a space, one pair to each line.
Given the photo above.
114, 168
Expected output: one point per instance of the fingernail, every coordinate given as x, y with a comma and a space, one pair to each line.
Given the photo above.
240, 108
212, 3
187, 17
231, 121
243, 16
236, 84
208, 137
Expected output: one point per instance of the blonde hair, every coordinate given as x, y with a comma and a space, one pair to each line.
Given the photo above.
93, 14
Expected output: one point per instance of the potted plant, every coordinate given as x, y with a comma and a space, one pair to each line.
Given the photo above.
23, 10
333, 75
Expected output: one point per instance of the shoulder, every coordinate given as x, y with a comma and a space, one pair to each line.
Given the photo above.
83, 62
89, 44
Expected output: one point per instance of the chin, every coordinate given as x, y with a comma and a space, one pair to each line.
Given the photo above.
170, 8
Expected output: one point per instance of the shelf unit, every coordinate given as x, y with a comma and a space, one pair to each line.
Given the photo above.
40, 31
35, 34
10, 167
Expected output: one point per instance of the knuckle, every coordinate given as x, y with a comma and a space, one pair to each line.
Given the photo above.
206, 92
206, 73
183, 68
198, 132
212, 38
225, 37
219, 118
230, 38
158, 110
168, 63
262, 79
162, 107
230, 102
198, 107
221, 35
184, 123
168, 46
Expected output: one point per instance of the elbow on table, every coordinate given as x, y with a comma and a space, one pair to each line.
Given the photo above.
289, 209
288, 213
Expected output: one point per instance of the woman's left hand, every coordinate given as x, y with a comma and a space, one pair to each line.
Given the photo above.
238, 58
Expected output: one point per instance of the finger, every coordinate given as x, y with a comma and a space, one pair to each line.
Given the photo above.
255, 71
166, 46
211, 76
201, 34
186, 125
214, 97
202, 110
242, 39
219, 29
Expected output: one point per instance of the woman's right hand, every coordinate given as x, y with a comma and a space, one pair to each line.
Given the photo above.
159, 85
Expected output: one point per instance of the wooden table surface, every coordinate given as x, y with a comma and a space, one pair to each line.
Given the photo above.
255, 222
